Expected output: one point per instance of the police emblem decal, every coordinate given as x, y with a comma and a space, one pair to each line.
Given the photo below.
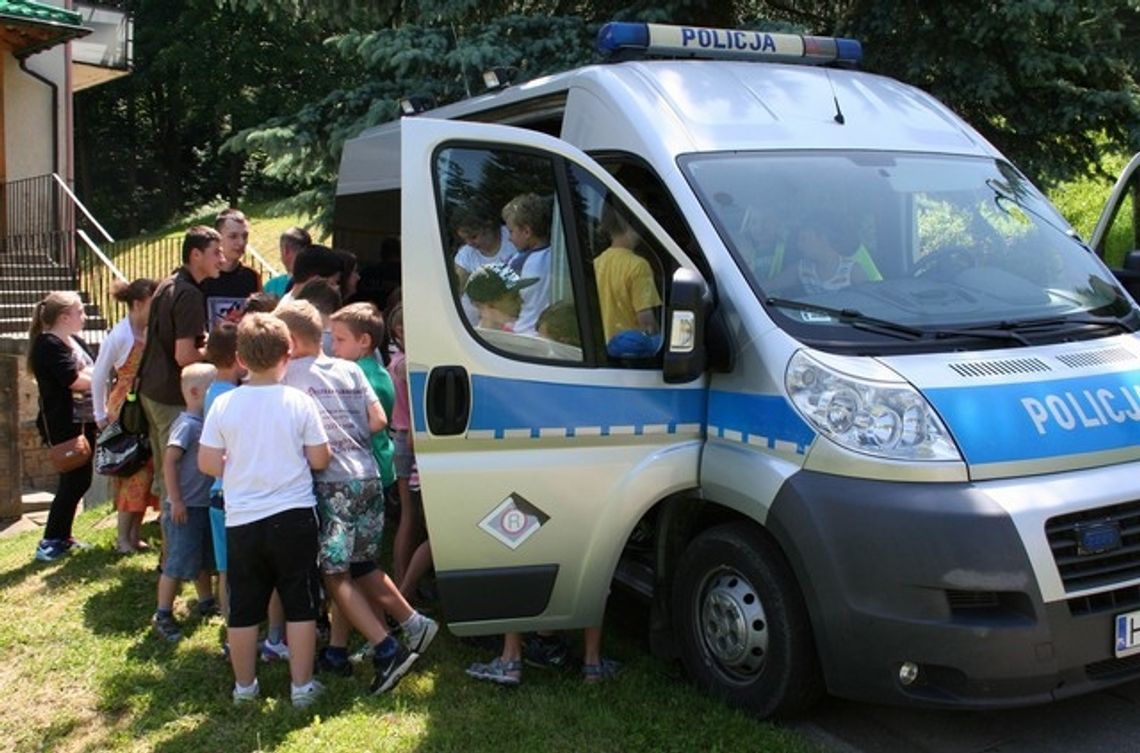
513, 521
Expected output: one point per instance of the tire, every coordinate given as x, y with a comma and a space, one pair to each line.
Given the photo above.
741, 626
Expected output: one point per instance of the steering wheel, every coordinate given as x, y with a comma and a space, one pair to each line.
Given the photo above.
945, 262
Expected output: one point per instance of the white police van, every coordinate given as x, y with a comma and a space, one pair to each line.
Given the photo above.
889, 444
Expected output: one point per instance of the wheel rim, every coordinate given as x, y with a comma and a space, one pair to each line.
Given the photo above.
732, 625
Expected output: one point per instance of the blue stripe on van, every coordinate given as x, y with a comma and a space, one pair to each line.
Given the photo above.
531, 408
758, 419
1035, 420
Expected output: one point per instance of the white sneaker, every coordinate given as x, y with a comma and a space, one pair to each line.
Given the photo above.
271, 651
305, 697
243, 696
420, 633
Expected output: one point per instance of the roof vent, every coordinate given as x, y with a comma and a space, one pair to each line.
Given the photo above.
999, 368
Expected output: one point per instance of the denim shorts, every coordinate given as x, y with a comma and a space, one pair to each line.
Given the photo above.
352, 522
189, 546
403, 458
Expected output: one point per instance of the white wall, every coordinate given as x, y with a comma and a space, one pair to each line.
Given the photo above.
27, 114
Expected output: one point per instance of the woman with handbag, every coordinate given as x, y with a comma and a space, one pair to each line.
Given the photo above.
120, 355
61, 365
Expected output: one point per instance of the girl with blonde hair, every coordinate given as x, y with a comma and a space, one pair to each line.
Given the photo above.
61, 365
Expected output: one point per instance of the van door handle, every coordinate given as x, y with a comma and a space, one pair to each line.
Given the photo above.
448, 400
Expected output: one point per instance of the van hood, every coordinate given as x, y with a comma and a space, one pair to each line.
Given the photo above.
1023, 411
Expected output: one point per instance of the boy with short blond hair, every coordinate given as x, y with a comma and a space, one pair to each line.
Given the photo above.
528, 219
268, 438
186, 509
350, 496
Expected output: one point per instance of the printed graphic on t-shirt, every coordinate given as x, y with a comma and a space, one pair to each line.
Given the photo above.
223, 309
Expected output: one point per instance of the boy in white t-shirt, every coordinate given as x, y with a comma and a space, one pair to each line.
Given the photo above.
268, 438
350, 495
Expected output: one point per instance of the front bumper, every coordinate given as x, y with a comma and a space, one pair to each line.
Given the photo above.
958, 579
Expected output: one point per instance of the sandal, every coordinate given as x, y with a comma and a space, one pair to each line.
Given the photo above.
605, 670
497, 671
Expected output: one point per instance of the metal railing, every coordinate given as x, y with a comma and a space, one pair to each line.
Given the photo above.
50, 241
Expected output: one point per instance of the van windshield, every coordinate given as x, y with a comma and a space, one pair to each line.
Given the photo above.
866, 246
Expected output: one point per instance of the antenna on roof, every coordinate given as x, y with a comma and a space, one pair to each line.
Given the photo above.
835, 98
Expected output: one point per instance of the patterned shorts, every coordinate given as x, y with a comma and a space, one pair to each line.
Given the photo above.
352, 522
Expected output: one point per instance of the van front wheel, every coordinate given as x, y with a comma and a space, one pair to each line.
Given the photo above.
741, 625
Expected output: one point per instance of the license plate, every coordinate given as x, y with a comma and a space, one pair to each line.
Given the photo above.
1127, 634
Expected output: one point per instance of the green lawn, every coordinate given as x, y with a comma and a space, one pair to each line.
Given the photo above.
80, 671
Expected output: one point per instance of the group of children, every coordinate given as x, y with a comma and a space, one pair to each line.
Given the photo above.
276, 475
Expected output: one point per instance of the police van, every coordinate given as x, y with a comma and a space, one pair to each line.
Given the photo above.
874, 430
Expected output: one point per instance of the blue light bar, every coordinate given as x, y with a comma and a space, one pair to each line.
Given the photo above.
623, 38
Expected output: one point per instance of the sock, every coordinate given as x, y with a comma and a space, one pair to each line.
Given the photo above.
207, 604
386, 648
411, 622
163, 612
245, 688
302, 688
275, 633
336, 654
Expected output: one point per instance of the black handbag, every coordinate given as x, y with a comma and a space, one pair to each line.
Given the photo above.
132, 418
119, 452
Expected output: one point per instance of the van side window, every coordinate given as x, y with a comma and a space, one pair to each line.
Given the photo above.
507, 251
627, 275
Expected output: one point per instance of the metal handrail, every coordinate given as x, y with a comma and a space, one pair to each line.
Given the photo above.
261, 259
75, 200
102, 257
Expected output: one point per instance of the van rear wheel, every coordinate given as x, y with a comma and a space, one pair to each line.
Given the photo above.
741, 625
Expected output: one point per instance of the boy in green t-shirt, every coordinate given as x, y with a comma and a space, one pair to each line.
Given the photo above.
357, 331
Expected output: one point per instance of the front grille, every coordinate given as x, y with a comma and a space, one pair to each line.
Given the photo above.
1083, 571
1118, 600
1109, 667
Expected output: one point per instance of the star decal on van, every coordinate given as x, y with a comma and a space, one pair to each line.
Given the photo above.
513, 521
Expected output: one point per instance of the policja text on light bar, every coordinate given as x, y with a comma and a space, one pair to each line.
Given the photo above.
618, 38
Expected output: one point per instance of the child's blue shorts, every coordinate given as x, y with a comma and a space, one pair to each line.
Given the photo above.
218, 531
189, 546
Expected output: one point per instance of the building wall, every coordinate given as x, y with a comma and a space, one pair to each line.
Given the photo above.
28, 114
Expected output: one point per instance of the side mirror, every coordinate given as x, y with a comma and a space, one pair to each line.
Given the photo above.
685, 355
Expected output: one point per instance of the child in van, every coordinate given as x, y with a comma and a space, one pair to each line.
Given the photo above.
495, 290
185, 509
268, 438
627, 292
528, 217
350, 497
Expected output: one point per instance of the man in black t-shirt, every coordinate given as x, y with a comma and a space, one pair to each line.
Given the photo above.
226, 294
176, 337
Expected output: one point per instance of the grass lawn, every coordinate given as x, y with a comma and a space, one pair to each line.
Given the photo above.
80, 671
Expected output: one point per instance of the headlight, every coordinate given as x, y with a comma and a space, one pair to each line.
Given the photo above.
887, 419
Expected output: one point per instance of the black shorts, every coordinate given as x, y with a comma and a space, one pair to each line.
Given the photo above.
276, 552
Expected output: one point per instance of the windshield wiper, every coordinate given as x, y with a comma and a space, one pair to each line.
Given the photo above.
853, 317
859, 320
1061, 321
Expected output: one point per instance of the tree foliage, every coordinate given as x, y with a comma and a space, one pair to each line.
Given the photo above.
1049, 82
149, 145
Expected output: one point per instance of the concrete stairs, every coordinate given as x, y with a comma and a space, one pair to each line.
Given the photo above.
24, 279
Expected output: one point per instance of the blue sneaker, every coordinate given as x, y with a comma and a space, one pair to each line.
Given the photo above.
49, 550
